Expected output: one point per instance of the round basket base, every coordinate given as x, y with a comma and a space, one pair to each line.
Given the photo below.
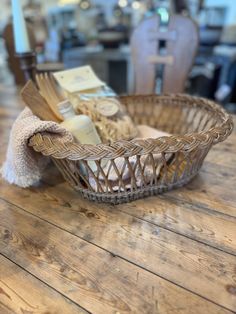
130, 196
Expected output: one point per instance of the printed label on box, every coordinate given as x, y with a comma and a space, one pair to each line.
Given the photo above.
78, 79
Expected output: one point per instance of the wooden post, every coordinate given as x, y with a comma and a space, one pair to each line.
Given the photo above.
27, 64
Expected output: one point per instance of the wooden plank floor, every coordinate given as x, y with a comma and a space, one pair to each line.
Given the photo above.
175, 253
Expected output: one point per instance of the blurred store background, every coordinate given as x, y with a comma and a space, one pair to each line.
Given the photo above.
71, 33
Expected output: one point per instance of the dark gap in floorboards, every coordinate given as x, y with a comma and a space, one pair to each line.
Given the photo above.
45, 283
115, 255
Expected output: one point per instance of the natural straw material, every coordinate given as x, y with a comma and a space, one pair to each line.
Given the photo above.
196, 123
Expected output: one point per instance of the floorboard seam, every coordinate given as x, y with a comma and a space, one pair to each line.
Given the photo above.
116, 255
136, 217
201, 207
175, 232
50, 287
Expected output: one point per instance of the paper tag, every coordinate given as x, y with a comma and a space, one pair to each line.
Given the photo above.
107, 108
78, 79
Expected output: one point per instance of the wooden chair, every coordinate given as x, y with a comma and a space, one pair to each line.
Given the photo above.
181, 42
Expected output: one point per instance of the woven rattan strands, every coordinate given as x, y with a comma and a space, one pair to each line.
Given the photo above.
196, 125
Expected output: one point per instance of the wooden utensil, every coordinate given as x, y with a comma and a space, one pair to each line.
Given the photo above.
38, 105
49, 90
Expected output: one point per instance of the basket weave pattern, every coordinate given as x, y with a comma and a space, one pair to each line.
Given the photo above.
196, 125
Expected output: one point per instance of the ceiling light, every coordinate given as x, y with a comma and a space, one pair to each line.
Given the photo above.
65, 2
136, 5
85, 5
123, 3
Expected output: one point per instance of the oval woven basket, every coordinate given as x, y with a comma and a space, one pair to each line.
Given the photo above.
153, 165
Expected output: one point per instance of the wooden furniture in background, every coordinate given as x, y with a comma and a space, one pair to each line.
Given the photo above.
169, 254
15, 63
181, 41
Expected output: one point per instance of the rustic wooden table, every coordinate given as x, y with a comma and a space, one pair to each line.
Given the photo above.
175, 253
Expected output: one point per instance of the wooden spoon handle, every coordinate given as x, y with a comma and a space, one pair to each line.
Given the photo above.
37, 103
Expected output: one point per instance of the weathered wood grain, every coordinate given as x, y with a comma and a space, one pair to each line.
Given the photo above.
204, 211
192, 265
213, 188
22, 293
210, 227
98, 280
223, 154
178, 51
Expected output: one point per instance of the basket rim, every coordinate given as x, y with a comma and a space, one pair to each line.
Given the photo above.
126, 148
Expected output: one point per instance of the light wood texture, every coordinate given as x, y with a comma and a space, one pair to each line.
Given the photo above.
98, 280
213, 188
99, 224
48, 89
38, 105
174, 253
20, 293
161, 59
181, 39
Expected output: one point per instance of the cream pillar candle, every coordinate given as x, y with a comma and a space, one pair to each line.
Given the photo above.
21, 38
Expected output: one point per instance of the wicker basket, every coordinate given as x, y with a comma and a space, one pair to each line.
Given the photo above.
196, 123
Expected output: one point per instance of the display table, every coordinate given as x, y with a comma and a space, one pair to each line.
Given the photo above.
173, 253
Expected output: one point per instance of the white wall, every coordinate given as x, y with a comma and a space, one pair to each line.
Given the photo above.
231, 12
